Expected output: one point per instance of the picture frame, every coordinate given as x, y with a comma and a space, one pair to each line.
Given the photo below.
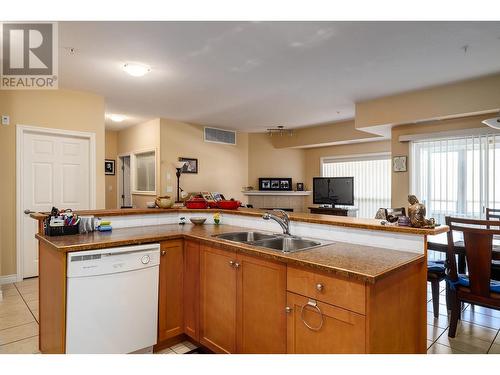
399, 163
275, 184
109, 167
190, 166
300, 186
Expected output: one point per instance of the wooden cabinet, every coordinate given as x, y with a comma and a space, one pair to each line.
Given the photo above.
261, 302
315, 327
170, 293
242, 303
192, 289
218, 299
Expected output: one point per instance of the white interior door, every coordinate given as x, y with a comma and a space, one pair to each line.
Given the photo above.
55, 172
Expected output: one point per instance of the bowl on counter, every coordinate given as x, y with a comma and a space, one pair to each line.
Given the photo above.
198, 220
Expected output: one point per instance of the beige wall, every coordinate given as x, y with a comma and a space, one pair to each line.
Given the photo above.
264, 160
322, 135
401, 180
222, 168
457, 99
313, 156
61, 109
111, 151
141, 137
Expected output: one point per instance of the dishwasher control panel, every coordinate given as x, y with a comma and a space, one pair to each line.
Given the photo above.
117, 259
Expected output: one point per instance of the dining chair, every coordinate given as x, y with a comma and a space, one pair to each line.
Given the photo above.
475, 287
494, 214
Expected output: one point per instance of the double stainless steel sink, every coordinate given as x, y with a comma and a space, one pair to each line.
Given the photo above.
283, 243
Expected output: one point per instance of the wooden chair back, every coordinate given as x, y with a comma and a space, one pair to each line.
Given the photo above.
478, 243
492, 213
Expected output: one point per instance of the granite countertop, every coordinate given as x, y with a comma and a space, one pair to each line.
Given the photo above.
343, 221
363, 263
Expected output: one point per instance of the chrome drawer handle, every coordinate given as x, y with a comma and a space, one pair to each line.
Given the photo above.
231, 263
319, 287
312, 303
288, 309
163, 252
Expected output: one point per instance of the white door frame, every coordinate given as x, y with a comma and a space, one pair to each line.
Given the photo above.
20, 131
119, 178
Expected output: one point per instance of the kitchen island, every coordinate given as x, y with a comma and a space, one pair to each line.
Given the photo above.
363, 292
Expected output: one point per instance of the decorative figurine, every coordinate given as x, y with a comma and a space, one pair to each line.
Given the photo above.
416, 212
217, 218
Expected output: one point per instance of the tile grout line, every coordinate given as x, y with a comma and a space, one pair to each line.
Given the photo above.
22, 297
492, 342
12, 342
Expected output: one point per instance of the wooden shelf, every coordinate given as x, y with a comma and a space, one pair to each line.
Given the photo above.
277, 192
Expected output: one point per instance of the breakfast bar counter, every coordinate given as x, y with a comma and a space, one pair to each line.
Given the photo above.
360, 289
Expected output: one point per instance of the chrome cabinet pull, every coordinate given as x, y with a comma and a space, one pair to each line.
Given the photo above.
163, 252
312, 303
288, 309
236, 265
320, 287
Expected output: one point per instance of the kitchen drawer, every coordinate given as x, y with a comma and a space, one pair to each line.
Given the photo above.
336, 291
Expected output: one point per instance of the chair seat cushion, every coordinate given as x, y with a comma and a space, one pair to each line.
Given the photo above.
435, 265
463, 280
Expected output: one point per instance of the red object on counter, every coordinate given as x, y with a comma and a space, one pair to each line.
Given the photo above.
228, 205
196, 203
212, 204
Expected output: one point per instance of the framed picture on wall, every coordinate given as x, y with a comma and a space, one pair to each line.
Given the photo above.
275, 183
190, 166
399, 163
109, 167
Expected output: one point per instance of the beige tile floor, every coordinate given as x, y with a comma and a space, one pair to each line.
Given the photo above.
478, 332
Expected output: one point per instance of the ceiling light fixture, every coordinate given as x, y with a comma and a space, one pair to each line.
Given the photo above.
116, 118
280, 130
136, 69
493, 122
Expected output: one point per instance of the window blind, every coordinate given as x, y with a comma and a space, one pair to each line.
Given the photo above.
457, 176
372, 180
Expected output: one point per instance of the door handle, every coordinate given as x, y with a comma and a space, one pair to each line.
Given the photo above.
27, 212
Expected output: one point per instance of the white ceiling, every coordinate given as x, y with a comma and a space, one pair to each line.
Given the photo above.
252, 75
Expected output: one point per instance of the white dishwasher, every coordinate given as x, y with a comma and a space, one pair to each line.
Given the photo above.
112, 299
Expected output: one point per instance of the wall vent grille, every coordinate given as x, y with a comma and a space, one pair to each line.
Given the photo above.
215, 135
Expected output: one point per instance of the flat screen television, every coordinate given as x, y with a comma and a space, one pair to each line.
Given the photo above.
333, 190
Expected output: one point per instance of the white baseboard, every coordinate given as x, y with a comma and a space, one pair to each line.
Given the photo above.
7, 279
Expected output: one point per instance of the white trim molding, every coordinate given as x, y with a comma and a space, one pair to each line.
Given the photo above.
20, 131
8, 279
448, 134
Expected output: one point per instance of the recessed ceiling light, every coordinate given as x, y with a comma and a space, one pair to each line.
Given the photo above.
136, 69
116, 118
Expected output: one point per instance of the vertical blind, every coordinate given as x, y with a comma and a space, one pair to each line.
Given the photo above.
372, 180
457, 176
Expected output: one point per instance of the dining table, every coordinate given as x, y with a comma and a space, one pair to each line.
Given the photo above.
439, 243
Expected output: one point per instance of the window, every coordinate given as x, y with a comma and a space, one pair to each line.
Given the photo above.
372, 180
145, 172
457, 176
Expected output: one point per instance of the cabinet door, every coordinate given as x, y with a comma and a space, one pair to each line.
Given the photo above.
192, 289
261, 302
170, 299
217, 299
331, 330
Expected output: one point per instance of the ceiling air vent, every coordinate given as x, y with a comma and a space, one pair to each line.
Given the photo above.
215, 135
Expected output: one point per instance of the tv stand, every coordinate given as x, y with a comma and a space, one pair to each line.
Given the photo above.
335, 211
